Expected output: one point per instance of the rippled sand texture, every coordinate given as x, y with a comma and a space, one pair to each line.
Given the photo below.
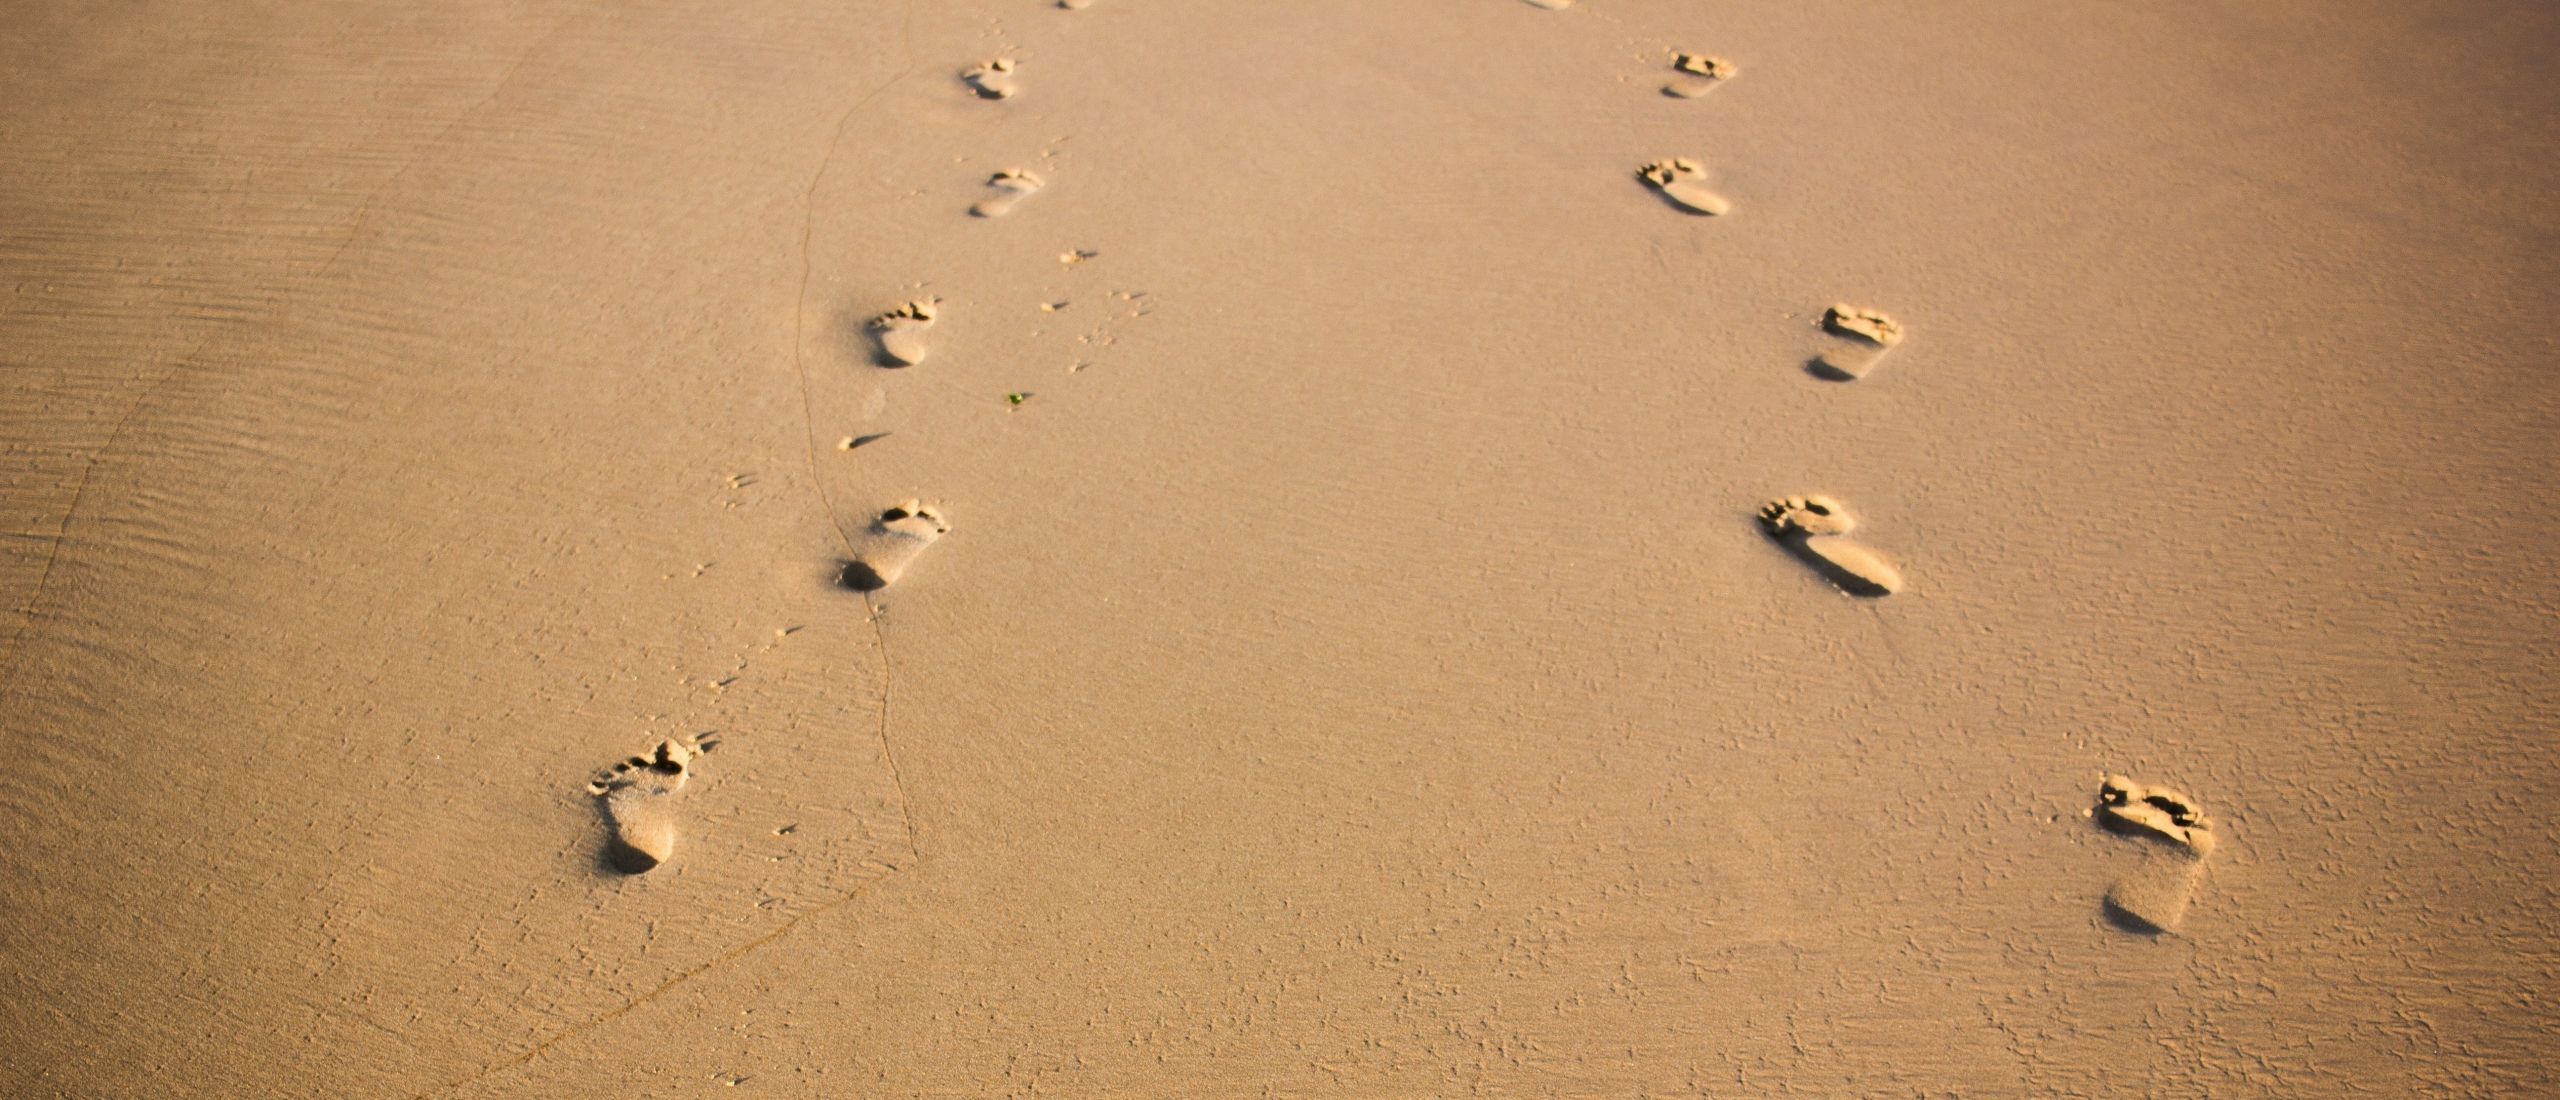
1356, 669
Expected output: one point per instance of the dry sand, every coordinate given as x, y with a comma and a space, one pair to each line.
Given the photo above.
1353, 667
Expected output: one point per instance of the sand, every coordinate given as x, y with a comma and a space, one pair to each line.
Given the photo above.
1357, 667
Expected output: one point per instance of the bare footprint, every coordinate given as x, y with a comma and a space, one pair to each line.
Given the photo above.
2177, 839
902, 331
993, 80
1010, 186
1552, 5
1813, 528
1684, 182
639, 801
1704, 74
1859, 340
1075, 5
891, 544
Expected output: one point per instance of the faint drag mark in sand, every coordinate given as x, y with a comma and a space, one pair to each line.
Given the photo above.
2176, 839
897, 778
192, 359
1815, 529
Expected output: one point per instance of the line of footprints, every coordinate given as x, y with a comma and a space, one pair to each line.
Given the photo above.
639, 794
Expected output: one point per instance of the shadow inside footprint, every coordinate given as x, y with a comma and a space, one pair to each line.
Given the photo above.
859, 577
1818, 552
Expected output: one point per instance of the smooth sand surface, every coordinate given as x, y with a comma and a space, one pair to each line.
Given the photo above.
1359, 671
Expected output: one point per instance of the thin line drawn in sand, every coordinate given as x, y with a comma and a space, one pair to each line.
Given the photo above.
892, 543
1700, 74
2177, 839
1856, 341
901, 332
640, 797
1011, 186
1683, 182
1815, 529
993, 80
835, 523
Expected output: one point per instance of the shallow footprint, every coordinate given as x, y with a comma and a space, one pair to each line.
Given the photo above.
2177, 838
1552, 5
1011, 186
993, 80
1684, 182
1813, 527
1075, 5
902, 331
639, 802
891, 544
1859, 340
1704, 75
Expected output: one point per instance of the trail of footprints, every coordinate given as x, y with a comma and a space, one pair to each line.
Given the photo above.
639, 796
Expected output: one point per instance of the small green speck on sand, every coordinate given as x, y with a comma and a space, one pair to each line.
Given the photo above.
1016, 398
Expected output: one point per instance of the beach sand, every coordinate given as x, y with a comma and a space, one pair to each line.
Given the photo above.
1349, 661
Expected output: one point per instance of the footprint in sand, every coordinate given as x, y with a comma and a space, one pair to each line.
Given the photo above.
1551, 5
891, 544
902, 330
1859, 340
1010, 186
1702, 75
2176, 838
1814, 528
1075, 5
640, 802
1684, 182
993, 80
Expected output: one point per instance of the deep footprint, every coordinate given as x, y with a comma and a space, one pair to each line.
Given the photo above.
639, 802
1684, 182
993, 80
1010, 186
2153, 897
891, 545
1702, 75
1859, 339
902, 330
1813, 527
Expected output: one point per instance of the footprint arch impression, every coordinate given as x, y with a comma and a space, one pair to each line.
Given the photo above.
1004, 189
1815, 529
2176, 838
892, 543
1684, 182
1857, 340
901, 332
640, 798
